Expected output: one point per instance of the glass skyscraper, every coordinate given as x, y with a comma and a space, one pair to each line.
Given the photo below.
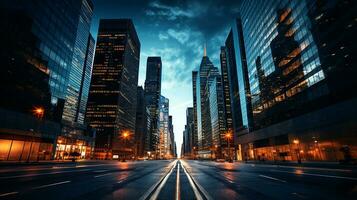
112, 99
300, 73
152, 97
163, 129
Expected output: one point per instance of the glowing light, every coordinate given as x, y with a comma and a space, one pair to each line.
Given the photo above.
296, 141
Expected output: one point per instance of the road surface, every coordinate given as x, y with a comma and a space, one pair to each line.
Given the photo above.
175, 179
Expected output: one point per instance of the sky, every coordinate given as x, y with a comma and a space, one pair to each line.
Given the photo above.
176, 31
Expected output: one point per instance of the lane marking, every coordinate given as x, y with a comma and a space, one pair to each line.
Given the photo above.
7, 194
272, 178
161, 185
52, 184
97, 176
319, 175
178, 196
193, 184
299, 167
229, 180
47, 173
122, 180
152, 188
101, 171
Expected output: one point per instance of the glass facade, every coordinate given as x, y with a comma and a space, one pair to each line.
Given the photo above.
194, 95
111, 106
300, 73
152, 97
86, 77
78, 64
163, 129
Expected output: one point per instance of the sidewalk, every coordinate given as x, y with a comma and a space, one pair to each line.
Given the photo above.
42, 162
333, 165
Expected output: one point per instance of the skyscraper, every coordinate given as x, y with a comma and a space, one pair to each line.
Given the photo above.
142, 128
194, 97
112, 99
188, 133
86, 77
78, 66
202, 109
300, 74
163, 128
152, 97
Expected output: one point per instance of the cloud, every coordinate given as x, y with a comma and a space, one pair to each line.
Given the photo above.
180, 36
163, 36
172, 12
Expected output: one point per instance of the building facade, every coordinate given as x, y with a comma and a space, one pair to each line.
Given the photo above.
152, 98
194, 97
163, 129
300, 74
142, 128
111, 108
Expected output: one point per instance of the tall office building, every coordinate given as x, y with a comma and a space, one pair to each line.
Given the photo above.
78, 65
152, 97
217, 116
163, 128
226, 89
53, 30
86, 77
112, 99
202, 109
194, 97
172, 138
142, 128
188, 133
300, 74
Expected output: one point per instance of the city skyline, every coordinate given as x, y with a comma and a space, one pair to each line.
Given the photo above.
177, 32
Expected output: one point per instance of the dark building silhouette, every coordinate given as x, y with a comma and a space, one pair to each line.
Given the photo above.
226, 90
142, 128
152, 98
112, 98
194, 95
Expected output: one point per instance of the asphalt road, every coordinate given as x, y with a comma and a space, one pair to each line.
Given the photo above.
175, 179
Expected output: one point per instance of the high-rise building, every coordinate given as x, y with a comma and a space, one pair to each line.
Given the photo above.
217, 116
86, 77
226, 89
152, 98
300, 75
78, 66
188, 134
202, 109
172, 138
112, 99
142, 128
54, 31
163, 129
194, 97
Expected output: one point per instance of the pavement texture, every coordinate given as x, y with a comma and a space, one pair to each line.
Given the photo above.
175, 179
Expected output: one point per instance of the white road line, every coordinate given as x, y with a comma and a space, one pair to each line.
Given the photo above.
52, 184
229, 180
158, 190
47, 173
272, 178
122, 180
152, 188
178, 196
100, 171
299, 167
319, 175
7, 194
194, 188
102, 175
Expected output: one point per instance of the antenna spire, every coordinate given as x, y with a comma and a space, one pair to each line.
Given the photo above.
205, 50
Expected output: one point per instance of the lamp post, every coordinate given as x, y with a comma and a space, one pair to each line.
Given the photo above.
228, 136
125, 136
38, 112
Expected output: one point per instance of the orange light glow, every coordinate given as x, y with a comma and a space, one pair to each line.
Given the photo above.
38, 112
296, 141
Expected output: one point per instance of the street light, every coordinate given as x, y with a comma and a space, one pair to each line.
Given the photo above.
38, 112
125, 136
228, 136
297, 142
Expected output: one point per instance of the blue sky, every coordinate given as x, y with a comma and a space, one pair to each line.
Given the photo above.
176, 31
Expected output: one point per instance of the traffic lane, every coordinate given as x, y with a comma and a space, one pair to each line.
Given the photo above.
137, 186
76, 186
278, 184
216, 186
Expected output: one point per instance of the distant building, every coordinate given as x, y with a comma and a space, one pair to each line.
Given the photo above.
142, 128
172, 137
203, 115
194, 95
188, 134
152, 99
163, 129
112, 99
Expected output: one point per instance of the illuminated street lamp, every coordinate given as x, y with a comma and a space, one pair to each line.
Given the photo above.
38, 112
125, 135
229, 136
